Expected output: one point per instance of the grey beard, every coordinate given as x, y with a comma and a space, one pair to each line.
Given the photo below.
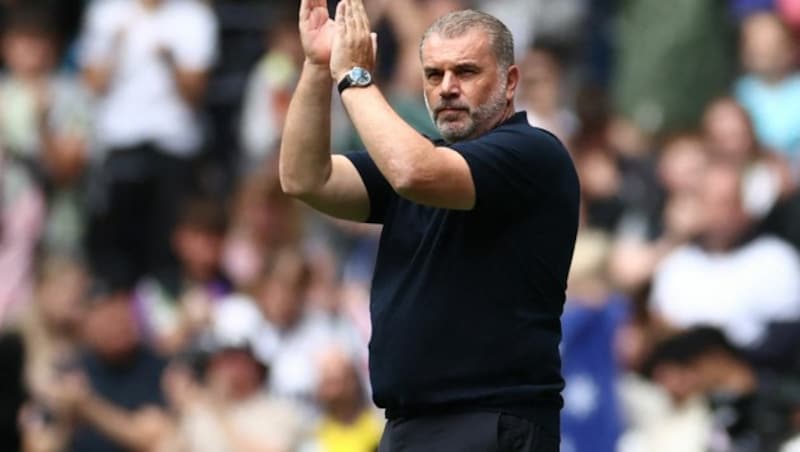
478, 117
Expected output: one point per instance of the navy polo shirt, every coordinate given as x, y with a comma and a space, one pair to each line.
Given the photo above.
466, 305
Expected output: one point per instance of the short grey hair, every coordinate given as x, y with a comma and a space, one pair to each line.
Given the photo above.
460, 23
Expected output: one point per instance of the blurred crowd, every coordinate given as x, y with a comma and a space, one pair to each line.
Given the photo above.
159, 292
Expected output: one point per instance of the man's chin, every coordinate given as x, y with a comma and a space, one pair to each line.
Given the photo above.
452, 134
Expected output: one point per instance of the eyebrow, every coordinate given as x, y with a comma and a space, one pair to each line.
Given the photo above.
467, 66
461, 66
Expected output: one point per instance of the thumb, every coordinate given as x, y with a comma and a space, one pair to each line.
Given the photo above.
374, 37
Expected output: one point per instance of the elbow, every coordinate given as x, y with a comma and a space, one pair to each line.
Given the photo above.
299, 185
407, 183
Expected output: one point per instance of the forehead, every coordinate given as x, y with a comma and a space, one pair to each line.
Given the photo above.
473, 46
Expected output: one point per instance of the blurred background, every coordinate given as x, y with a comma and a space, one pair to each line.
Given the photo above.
158, 292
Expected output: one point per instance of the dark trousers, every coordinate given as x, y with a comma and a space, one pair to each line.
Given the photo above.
133, 211
467, 432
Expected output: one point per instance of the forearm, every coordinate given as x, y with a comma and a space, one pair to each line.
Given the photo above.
191, 85
116, 423
399, 151
192, 91
305, 160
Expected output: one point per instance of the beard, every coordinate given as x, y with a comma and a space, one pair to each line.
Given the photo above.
457, 121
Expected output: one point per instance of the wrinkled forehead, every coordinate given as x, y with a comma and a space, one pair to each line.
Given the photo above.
473, 46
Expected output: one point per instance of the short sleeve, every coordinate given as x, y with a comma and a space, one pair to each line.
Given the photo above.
510, 168
379, 190
101, 24
194, 38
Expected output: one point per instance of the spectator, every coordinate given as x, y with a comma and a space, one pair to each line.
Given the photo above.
263, 220
175, 312
147, 63
750, 413
770, 88
22, 213
269, 89
348, 424
50, 332
542, 91
670, 222
44, 122
592, 320
730, 137
230, 411
729, 277
680, 418
117, 394
600, 186
51, 329
294, 333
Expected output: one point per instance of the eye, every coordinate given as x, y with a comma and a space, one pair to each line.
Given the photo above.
466, 71
433, 76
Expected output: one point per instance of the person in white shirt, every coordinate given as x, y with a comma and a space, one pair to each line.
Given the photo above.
147, 62
729, 278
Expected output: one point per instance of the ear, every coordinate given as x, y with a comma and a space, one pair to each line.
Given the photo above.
512, 79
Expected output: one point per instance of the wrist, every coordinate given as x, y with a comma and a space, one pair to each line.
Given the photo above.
316, 70
313, 66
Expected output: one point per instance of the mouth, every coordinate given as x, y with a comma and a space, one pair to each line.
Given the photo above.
449, 111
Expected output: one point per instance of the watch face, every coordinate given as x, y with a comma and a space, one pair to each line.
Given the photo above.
360, 76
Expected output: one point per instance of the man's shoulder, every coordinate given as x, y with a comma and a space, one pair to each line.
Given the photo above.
188, 10
769, 246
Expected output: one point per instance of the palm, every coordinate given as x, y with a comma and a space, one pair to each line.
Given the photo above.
316, 32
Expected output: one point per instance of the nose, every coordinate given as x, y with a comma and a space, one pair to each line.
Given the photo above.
450, 86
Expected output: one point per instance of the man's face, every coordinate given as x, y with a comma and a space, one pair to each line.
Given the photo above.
465, 91
766, 47
110, 328
724, 218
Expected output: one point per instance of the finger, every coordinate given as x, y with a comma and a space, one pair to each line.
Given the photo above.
374, 37
341, 23
358, 18
305, 9
350, 14
361, 14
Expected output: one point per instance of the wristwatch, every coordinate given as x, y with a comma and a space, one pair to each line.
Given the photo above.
358, 77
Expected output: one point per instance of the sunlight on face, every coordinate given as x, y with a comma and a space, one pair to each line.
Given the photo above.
465, 91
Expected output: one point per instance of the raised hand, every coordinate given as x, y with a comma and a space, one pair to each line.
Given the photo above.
316, 31
353, 44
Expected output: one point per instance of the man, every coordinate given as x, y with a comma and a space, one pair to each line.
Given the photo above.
229, 409
730, 277
114, 388
147, 62
478, 231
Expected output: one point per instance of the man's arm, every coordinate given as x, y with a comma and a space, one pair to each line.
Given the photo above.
142, 429
308, 172
191, 83
413, 166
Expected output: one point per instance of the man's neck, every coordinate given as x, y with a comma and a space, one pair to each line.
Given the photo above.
346, 413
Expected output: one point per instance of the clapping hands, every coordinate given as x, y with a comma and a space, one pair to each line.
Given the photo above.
341, 44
